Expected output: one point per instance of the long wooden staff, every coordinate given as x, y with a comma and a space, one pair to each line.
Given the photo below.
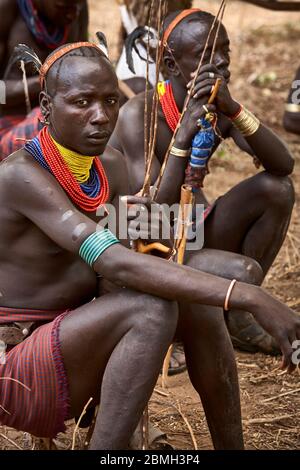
187, 196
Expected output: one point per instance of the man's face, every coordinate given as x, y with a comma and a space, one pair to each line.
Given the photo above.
84, 109
192, 44
61, 12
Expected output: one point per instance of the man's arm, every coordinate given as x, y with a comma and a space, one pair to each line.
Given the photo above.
268, 148
8, 10
38, 197
14, 88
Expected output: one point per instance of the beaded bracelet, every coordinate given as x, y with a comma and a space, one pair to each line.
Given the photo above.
95, 245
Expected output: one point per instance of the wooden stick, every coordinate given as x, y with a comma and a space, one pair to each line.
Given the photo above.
79, 421
274, 419
178, 408
165, 368
291, 392
11, 442
17, 381
189, 96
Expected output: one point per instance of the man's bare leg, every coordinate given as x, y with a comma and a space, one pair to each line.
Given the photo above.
209, 354
113, 350
252, 218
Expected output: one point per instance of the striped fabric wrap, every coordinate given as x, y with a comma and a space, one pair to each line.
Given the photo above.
8, 314
34, 394
16, 130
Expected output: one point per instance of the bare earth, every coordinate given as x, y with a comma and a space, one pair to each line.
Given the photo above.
264, 61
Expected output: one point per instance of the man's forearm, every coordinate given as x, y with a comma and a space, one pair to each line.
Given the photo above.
271, 151
169, 280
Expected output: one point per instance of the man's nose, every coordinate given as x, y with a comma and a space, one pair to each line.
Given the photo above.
221, 61
99, 115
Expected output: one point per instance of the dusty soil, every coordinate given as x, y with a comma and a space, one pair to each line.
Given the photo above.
264, 60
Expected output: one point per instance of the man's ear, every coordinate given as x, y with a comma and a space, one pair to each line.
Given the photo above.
171, 66
45, 104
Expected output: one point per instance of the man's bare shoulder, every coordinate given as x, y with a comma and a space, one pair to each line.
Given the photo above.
128, 135
133, 110
20, 171
116, 170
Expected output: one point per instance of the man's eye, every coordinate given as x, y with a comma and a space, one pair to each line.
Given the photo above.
82, 102
112, 101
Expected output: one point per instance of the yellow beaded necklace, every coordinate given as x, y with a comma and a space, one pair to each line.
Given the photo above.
79, 165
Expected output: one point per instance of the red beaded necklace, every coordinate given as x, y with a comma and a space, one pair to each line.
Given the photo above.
168, 104
67, 180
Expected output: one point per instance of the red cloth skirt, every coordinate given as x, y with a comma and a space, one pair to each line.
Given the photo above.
39, 404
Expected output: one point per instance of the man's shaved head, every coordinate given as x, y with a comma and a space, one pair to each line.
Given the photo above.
60, 70
181, 33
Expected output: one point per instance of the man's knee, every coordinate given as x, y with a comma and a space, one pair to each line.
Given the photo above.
277, 191
154, 314
246, 269
228, 265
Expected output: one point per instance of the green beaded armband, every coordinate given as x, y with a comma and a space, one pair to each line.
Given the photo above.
95, 245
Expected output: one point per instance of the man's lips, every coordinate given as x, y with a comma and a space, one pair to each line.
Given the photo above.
99, 136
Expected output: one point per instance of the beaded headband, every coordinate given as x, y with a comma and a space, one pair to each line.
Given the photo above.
175, 22
63, 51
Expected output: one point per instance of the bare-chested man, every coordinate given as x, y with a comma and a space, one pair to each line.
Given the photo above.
43, 25
253, 217
110, 348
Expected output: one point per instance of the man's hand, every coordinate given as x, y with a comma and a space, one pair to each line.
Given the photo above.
189, 126
204, 85
147, 221
281, 322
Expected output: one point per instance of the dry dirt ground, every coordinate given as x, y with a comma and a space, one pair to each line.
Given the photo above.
264, 60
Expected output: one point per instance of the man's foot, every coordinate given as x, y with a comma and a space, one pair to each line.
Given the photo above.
177, 361
246, 334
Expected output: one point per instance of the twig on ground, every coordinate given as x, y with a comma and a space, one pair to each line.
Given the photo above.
280, 395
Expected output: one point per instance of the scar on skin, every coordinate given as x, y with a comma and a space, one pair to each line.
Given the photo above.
67, 215
79, 229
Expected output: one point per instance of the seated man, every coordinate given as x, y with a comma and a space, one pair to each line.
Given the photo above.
110, 348
291, 118
44, 26
253, 217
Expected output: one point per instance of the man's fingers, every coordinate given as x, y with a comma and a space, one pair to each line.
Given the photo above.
136, 200
203, 92
206, 68
203, 77
209, 82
